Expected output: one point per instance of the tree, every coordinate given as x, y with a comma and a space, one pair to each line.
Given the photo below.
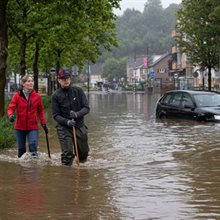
148, 31
214, 16
78, 31
195, 34
23, 19
114, 68
3, 52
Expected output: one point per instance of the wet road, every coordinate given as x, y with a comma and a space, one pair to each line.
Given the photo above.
138, 168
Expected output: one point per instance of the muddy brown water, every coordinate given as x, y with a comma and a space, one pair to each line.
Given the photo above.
138, 168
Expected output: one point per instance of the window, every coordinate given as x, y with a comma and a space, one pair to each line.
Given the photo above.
176, 99
166, 99
187, 100
207, 100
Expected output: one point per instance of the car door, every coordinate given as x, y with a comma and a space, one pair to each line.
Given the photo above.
174, 105
187, 110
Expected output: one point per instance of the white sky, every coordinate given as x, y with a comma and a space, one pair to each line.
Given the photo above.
139, 4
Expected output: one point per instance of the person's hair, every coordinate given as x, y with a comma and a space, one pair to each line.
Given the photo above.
25, 78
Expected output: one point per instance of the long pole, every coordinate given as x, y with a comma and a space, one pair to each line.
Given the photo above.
76, 146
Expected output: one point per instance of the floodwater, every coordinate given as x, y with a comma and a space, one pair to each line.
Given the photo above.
138, 168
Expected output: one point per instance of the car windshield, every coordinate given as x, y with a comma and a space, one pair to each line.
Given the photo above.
207, 100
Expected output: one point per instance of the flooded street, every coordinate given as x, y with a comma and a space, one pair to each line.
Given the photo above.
138, 168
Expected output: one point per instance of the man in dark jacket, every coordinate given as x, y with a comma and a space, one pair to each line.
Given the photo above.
69, 106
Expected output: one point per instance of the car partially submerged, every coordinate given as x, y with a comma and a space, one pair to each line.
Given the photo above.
188, 104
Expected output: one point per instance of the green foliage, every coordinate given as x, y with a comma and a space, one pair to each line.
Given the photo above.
214, 16
197, 34
7, 138
68, 32
114, 68
46, 101
147, 32
195, 30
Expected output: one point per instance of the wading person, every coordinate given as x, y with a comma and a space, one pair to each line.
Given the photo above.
28, 106
69, 106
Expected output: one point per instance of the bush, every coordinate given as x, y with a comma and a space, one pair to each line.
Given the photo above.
46, 101
7, 137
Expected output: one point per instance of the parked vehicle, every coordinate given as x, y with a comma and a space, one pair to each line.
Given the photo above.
187, 104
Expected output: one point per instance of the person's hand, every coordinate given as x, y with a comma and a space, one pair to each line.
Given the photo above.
11, 118
71, 123
45, 128
73, 114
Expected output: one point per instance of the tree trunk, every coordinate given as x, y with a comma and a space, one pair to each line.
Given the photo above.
35, 66
58, 67
209, 79
23, 54
3, 52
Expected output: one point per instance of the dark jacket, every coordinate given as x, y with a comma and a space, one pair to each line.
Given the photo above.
27, 111
65, 100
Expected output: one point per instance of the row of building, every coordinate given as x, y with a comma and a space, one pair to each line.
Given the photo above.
164, 69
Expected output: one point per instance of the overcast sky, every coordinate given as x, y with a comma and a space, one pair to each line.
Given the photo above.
139, 4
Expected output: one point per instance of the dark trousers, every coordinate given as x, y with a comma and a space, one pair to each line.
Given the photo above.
65, 136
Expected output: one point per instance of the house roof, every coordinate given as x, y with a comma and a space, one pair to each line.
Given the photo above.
152, 60
139, 62
159, 58
134, 63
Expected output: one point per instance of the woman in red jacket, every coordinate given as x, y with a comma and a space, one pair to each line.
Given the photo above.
28, 106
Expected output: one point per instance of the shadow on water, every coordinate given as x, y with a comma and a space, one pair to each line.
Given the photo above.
138, 168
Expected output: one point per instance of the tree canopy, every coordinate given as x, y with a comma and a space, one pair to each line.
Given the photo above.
198, 32
55, 33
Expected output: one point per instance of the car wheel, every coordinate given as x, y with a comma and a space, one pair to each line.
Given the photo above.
163, 117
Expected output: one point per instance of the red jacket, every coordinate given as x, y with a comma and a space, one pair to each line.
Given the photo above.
27, 110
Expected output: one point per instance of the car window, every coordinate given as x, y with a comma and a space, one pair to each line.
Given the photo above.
166, 99
207, 100
187, 100
175, 100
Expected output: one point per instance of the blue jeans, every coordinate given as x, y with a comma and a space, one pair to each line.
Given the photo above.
32, 136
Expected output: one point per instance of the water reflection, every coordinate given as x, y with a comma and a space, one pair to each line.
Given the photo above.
55, 193
138, 168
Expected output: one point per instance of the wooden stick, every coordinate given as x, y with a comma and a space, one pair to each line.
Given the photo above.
76, 147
